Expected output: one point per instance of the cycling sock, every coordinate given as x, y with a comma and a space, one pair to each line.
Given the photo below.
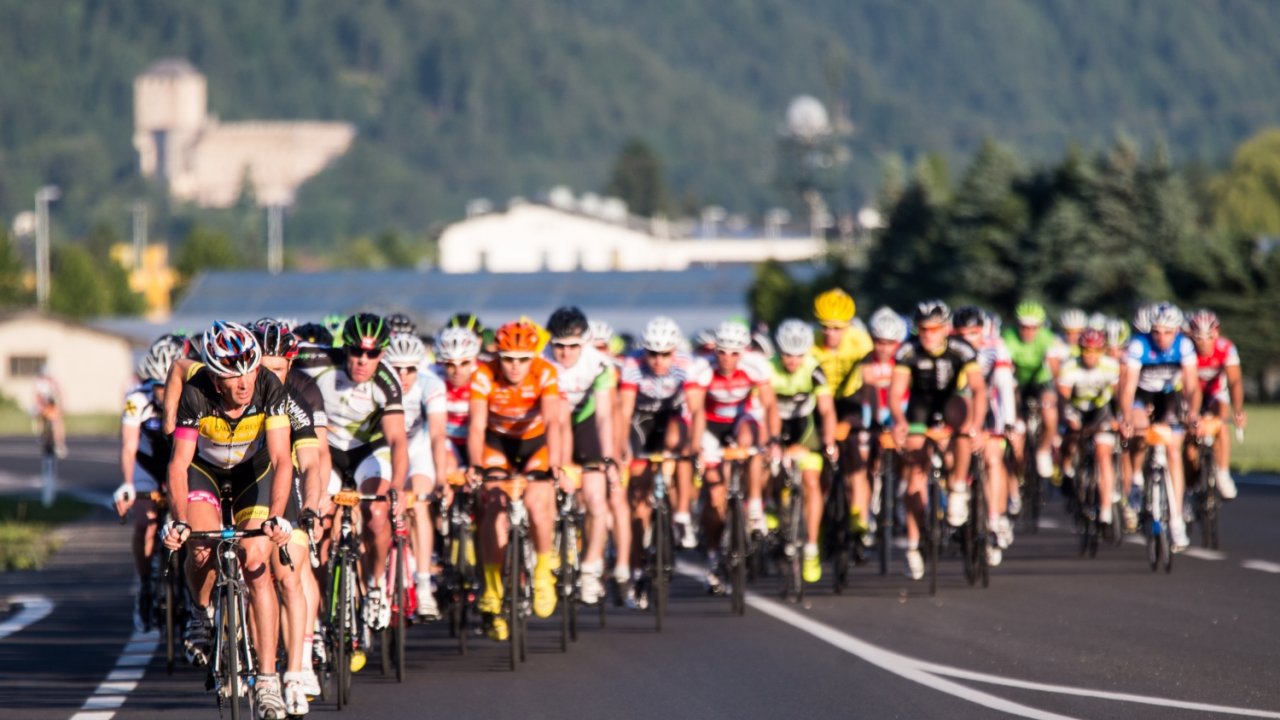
546, 563
493, 579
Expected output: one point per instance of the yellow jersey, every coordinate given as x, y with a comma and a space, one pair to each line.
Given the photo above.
841, 365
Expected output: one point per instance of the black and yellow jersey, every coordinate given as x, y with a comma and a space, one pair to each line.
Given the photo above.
225, 442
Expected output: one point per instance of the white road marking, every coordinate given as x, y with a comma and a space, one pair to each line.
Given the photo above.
1263, 565
931, 674
1204, 554
122, 680
34, 609
1049, 524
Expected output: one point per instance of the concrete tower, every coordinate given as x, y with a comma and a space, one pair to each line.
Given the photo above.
170, 109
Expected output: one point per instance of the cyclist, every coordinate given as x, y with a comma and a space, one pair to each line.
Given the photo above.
935, 367
1222, 388
1073, 322
425, 419
1085, 387
363, 404
975, 327
1160, 362
587, 382
888, 330
655, 415
233, 427
840, 352
48, 410
457, 350
1029, 346
144, 457
515, 426
725, 388
802, 390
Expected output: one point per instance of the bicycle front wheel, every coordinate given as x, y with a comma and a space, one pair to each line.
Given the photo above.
661, 530
934, 520
737, 556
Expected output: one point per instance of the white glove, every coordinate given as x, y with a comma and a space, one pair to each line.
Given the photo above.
124, 494
173, 527
284, 525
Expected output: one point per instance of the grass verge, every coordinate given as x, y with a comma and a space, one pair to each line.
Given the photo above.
26, 529
16, 422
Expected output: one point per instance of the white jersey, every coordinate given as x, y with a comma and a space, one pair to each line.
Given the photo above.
141, 412
583, 378
354, 410
427, 397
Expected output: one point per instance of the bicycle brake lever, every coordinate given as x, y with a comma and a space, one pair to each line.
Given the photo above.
284, 555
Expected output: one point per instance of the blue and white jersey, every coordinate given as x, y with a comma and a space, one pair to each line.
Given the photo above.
1160, 371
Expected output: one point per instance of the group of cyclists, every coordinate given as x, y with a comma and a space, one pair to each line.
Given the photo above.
261, 425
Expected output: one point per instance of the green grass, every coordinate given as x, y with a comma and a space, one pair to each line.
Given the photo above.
1260, 451
16, 422
26, 529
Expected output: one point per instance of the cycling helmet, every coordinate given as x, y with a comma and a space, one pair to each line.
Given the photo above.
706, 338
567, 322
406, 349
466, 321
1029, 313
732, 335
931, 311
761, 343
156, 361
1098, 321
662, 334
455, 344
313, 333
1203, 323
1142, 318
969, 316
834, 306
275, 338
1166, 315
401, 323
1073, 319
1117, 332
229, 349
334, 322
601, 331
518, 338
795, 337
888, 325
1093, 339
365, 331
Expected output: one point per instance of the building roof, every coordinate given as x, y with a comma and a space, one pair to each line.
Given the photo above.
27, 314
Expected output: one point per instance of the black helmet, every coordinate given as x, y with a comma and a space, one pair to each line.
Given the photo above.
401, 323
468, 321
313, 333
969, 316
365, 331
928, 311
275, 337
567, 322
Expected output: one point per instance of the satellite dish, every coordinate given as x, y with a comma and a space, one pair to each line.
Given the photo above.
807, 118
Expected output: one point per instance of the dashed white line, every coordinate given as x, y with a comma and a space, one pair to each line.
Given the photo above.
34, 609
111, 694
1263, 565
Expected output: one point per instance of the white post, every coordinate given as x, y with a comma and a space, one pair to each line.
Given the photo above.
139, 233
44, 196
275, 238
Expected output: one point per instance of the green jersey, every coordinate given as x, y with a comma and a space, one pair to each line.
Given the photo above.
798, 392
1029, 367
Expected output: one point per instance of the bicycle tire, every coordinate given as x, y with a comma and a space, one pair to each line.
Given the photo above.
564, 578
1166, 537
737, 556
400, 636
229, 652
795, 530
1211, 502
1152, 523
933, 523
661, 524
887, 497
346, 626
978, 515
838, 530
170, 630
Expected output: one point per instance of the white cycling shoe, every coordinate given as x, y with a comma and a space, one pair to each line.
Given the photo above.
295, 694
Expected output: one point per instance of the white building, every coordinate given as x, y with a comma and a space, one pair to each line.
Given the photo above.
93, 368
532, 238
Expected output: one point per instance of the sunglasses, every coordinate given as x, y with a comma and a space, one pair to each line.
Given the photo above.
459, 364
655, 353
518, 359
407, 369
362, 352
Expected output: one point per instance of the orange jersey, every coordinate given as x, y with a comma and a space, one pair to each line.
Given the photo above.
515, 410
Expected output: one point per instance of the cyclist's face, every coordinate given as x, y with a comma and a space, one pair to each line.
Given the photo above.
728, 360
277, 365
660, 362
971, 335
792, 363
1090, 357
458, 373
833, 334
515, 368
408, 376
1204, 345
236, 391
885, 350
1071, 337
567, 350
362, 364
933, 336
1162, 337
1028, 332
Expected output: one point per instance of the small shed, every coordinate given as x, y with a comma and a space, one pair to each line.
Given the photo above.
93, 367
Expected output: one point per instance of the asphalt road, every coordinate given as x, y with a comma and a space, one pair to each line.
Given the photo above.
1054, 636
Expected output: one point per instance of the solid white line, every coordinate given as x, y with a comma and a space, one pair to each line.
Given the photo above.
93, 715
1204, 554
34, 609
1263, 565
123, 678
1049, 524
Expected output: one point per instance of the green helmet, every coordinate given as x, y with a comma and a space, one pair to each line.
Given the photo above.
1029, 313
366, 331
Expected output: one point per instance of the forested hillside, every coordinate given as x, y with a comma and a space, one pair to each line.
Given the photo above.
495, 98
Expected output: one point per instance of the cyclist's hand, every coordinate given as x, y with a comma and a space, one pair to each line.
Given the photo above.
775, 453
900, 435
124, 497
563, 479
308, 520
1126, 429
832, 451
1240, 420
174, 534
278, 530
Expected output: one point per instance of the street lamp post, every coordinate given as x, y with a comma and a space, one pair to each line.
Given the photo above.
44, 196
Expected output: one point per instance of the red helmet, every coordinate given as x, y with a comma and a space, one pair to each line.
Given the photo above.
518, 338
1093, 339
1203, 323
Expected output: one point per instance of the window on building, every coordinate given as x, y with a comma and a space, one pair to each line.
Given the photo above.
25, 366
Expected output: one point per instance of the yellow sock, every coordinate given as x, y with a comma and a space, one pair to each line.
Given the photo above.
545, 565
493, 580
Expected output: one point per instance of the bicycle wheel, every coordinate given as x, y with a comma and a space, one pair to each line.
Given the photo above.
1166, 536
170, 621
794, 546
1210, 501
933, 523
838, 530
661, 532
978, 516
1152, 521
737, 556
514, 567
887, 496
564, 579
228, 653
346, 630
401, 609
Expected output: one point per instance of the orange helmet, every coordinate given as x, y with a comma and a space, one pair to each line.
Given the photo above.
518, 338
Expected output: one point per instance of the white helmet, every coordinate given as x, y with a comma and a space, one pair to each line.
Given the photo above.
1098, 321
1142, 318
457, 343
795, 337
1073, 319
155, 363
229, 349
601, 331
732, 335
406, 349
1166, 315
662, 334
888, 325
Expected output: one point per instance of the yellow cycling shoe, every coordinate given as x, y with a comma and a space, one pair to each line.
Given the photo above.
856, 524
544, 596
357, 661
771, 520
490, 603
498, 630
811, 570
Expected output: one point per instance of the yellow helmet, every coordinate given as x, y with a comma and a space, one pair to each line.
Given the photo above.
834, 306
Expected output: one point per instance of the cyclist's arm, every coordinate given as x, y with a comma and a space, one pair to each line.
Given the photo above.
556, 418
129, 437
604, 420
324, 468
977, 399
437, 432
1235, 383
308, 455
695, 398
773, 420
398, 441
897, 393
184, 451
564, 423
1128, 390
475, 433
173, 391
279, 450
1191, 389
626, 411
827, 420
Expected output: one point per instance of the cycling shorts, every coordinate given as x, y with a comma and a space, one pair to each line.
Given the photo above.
248, 484
586, 442
1167, 408
359, 464
421, 460
719, 435
515, 454
649, 431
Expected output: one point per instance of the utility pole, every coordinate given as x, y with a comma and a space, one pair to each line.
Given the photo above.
44, 196
139, 211
275, 238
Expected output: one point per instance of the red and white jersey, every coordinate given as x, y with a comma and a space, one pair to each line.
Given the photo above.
1212, 368
457, 407
730, 395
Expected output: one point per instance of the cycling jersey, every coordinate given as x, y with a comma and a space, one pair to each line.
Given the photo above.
354, 410
427, 397
997, 370
798, 392
457, 404
1029, 367
1089, 389
657, 393
1160, 371
579, 384
223, 442
729, 396
840, 364
515, 411
306, 408
154, 447
1212, 368
935, 378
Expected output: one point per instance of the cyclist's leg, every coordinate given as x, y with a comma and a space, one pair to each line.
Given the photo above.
676, 440
373, 477
811, 479
595, 490
422, 482
204, 512
747, 434
540, 499
1104, 448
914, 462
145, 519
494, 526
1049, 411
716, 499
996, 488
